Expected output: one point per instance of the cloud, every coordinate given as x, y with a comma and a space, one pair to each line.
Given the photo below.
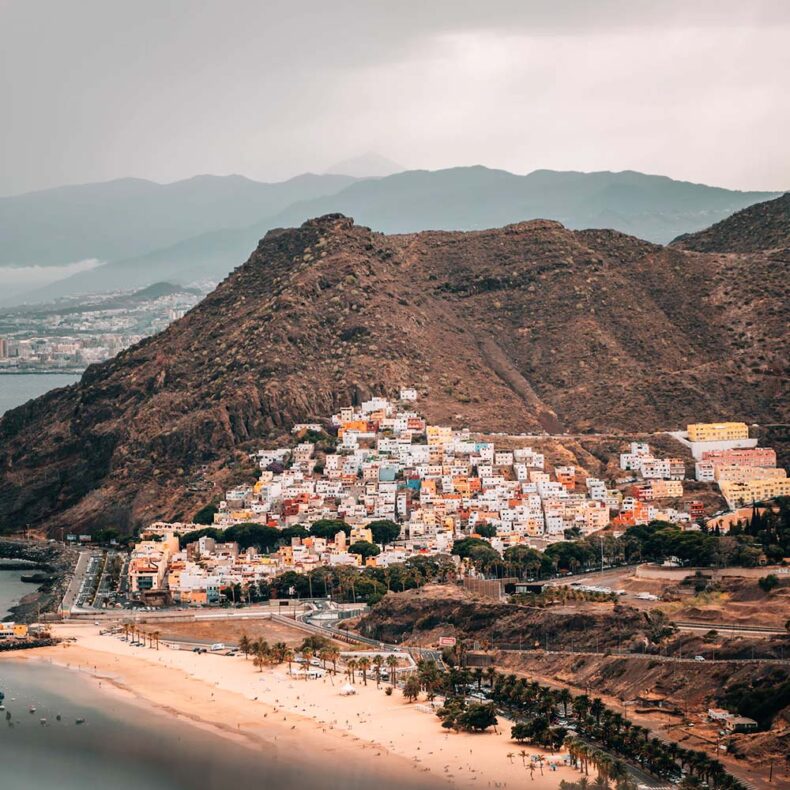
166, 90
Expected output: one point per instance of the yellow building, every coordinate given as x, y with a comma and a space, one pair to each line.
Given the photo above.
360, 533
745, 474
439, 434
717, 431
663, 489
13, 630
738, 494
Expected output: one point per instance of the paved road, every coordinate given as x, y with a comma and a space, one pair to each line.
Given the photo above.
73, 590
642, 656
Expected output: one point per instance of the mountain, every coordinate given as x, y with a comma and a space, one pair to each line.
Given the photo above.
763, 226
530, 327
370, 165
131, 216
465, 198
471, 198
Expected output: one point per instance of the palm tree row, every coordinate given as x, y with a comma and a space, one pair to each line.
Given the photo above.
138, 635
601, 731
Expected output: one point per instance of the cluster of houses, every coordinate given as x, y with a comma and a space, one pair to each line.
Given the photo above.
744, 474
436, 483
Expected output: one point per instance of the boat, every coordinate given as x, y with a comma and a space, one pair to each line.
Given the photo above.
80, 721
43, 722
32, 709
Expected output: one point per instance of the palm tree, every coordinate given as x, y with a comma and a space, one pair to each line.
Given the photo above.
323, 656
523, 755
288, 655
411, 688
279, 651
392, 663
245, 645
565, 697
260, 649
351, 664
377, 662
364, 666
334, 655
155, 636
307, 654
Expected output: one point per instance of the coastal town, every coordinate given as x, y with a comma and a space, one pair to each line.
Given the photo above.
71, 333
378, 485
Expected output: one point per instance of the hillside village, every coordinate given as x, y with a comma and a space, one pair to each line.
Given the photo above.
381, 464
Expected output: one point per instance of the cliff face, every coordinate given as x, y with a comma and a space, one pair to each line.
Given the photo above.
526, 328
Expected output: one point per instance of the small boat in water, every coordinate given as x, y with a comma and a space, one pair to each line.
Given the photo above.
43, 722
32, 709
80, 721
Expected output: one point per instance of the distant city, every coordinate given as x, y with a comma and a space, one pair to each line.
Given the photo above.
67, 335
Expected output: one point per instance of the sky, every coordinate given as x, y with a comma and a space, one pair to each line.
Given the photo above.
92, 90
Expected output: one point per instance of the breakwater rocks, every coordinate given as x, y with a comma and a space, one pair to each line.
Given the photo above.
50, 564
26, 644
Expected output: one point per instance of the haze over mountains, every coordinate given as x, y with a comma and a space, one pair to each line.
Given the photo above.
530, 327
200, 228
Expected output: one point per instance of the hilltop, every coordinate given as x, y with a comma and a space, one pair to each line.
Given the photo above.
529, 327
763, 226
200, 228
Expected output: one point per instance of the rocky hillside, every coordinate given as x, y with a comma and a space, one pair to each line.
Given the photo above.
421, 616
763, 226
530, 327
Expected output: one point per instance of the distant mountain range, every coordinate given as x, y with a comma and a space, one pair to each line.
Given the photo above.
203, 227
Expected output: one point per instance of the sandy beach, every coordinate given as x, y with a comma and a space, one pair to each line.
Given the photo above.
294, 719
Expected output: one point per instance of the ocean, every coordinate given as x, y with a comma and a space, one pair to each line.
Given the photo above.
12, 589
126, 746
18, 388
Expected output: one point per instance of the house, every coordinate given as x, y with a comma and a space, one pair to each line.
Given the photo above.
740, 724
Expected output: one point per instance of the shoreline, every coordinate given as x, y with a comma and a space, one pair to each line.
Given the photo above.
283, 716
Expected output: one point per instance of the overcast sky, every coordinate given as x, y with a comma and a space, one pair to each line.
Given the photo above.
94, 90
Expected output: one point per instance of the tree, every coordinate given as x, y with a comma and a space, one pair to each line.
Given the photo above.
477, 717
364, 549
392, 664
205, 515
485, 530
384, 531
377, 663
767, 583
364, 666
411, 688
328, 528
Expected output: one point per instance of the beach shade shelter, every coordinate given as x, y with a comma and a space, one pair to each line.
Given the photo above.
348, 690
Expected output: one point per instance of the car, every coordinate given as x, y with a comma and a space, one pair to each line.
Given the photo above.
699, 658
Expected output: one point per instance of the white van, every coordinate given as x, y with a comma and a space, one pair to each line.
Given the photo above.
218, 646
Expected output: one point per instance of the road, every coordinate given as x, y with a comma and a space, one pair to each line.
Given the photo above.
510, 648
76, 582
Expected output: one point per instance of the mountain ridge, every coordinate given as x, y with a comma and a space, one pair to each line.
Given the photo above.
519, 329
465, 198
